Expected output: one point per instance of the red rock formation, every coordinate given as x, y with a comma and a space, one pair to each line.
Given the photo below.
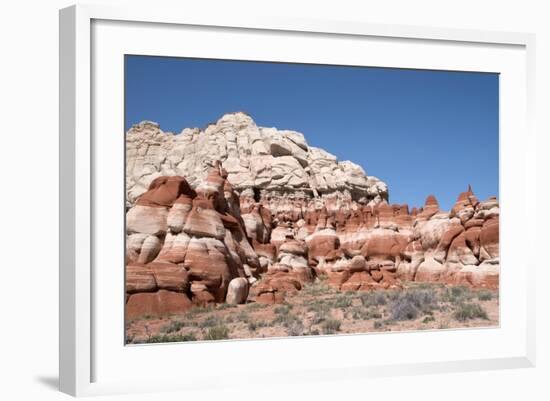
194, 246
157, 303
186, 242
274, 287
275, 213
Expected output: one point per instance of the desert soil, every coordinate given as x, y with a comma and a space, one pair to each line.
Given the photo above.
320, 310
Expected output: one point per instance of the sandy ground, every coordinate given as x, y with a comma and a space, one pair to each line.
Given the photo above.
319, 310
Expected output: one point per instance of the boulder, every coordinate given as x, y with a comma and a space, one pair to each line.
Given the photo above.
274, 287
237, 291
169, 276
158, 304
489, 240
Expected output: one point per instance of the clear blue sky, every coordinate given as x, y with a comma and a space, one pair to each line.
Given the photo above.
420, 131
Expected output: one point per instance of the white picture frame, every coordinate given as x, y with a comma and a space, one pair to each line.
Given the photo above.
84, 355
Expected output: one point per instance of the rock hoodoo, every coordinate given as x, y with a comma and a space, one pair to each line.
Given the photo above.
236, 211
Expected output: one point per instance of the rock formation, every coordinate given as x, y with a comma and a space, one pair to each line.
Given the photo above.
188, 244
235, 212
278, 164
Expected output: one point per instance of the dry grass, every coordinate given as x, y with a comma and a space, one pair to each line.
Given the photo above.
318, 310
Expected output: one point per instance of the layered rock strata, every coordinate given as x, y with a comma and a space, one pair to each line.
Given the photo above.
237, 212
187, 245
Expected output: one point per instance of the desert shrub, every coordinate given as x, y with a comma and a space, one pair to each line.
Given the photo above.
457, 294
225, 306
255, 306
484, 295
229, 319
342, 302
358, 313
319, 306
377, 298
317, 288
330, 326
410, 303
197, 310
283, 309
319, 317
286, 319
217, 333
243, 317
253, 325
173, 326
404, 310
373, 314
467, 311
378, 324
443, 325
170, 338
428, 319
210, 321
380, 299
393, 295
365, 298
296, 328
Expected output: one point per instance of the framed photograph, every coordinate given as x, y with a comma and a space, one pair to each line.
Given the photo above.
337, 199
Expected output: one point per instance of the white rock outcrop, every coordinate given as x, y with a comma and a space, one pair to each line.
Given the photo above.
254, 157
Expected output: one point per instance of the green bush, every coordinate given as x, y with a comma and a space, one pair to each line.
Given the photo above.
467, 311
319, 306
319, 317
225, 306
210, 321
167, 338
243, 317
283, 309
286, 319
253, 325
217, 333
457, 294
173, 326
358, 313
428, 319
197, 310
484, 295
373, 314
331, 326
377, 298
296, 328
411, 303
342, 302
255, 306
317, 289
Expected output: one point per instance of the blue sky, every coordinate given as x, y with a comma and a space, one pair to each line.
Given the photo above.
422, 132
